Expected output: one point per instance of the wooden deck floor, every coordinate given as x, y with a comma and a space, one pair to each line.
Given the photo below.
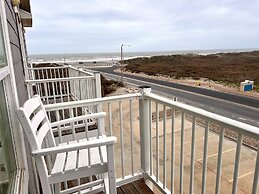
137, 187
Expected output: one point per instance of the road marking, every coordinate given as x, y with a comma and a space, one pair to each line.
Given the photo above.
242, 176
229, 150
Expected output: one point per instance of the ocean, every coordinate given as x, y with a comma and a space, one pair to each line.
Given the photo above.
115, 56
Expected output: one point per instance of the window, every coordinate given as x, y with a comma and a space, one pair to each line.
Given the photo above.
7, 159
2, 48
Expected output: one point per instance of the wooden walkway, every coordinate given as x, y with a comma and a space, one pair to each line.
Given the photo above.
137, 187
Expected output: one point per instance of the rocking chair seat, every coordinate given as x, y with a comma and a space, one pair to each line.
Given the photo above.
72, 161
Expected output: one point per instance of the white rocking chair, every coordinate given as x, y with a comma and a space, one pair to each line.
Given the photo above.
70, 161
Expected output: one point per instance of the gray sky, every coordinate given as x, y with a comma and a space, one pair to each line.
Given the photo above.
82, 26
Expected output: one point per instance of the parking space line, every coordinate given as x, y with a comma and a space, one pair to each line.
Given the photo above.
189, 142
229, 150
242, 176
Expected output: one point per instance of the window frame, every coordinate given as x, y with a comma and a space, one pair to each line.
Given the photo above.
20, 184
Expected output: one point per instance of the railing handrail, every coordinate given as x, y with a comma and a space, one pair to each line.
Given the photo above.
40, 68
59, 79
227, 122
80, 103
60, 67
80, 70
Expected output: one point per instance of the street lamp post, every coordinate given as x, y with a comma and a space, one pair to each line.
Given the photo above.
122, 60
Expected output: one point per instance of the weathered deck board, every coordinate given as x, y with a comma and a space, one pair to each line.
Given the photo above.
136, 187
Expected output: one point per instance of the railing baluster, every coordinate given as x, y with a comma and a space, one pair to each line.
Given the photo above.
68, 94
131, 139
256, 174
150, 137
55, 71
205, 158
61, 90
164, 146
121, 140
58, 127
60, 73
38, 74
47, 75
67, 72
182, 153
72, 86
71, 115
48, 87
46, 92
219, 164
237, 160
57, 89
110, 118
87, 91
157, 142
172, 152
192, 153
51, 70
42, 74
79, 88
86, 130
40, 91
53, 92
30, 89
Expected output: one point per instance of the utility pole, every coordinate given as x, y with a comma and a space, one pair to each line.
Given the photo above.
122, 60
121, 63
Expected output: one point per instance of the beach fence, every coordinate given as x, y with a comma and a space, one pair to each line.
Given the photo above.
246, 85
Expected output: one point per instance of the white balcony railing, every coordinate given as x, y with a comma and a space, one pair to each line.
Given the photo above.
179, 148
210, 165
62, 84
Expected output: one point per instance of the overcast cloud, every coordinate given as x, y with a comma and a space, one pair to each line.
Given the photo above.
82, 26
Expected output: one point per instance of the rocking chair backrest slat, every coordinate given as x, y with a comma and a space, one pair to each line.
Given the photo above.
31, 105
42, 132
37, 119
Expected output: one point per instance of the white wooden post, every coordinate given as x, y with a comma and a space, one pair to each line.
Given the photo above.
144, 130
98, 94
98, 90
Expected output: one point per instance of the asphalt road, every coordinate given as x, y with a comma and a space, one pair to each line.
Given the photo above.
242, 108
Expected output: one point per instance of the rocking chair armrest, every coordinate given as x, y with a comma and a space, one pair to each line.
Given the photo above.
79, 118
76, 146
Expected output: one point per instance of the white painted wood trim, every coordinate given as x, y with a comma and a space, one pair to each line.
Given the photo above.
4, 72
